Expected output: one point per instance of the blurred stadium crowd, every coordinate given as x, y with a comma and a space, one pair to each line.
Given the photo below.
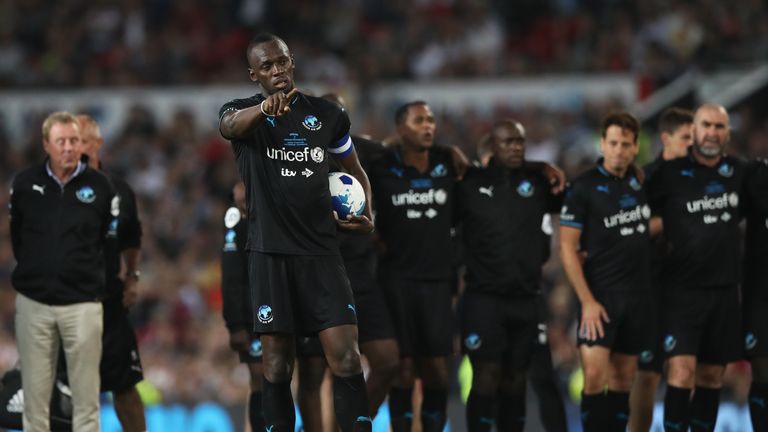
182, 172
163, 42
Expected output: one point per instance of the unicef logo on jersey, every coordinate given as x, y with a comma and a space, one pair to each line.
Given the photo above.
635, 184
525, 189
725, 170
646, 211
317, 154
473, 341
750, 341
86, 194
669, 343
255, 349
265, 314
312, 123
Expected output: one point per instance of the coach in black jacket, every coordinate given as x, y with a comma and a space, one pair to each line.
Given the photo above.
60, 213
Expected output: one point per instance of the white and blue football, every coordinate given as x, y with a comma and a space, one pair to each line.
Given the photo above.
347, 194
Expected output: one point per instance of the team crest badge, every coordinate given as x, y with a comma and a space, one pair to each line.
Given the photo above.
750, 341
312, 123
86, 194
265, 314
525, 189
473, 341
439, 171
230, 243
635, 184
255, 349
669, 343
725, 170
112, 231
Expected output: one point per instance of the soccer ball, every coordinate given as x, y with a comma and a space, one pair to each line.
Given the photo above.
347, 194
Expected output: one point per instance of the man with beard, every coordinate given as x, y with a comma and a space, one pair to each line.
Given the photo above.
699, 199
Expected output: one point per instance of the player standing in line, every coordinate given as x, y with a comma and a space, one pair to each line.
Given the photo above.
281, 141
237, 303
504, 209
376, 333
606, 215
676, 133
120, 362
698, 198
755, 288
413, 189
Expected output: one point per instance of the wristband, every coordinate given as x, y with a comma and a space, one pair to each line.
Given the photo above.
261, 106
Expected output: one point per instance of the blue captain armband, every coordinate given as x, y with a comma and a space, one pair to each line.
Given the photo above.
342, 148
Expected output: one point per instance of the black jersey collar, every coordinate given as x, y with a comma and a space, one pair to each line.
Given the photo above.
495, 167
723, 159
601, 169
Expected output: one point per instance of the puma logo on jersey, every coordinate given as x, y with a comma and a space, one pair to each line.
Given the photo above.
487, 191
39, 188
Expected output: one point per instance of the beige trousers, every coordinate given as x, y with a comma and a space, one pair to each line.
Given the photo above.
39, 330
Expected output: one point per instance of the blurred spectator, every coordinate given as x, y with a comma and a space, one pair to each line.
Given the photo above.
138, 43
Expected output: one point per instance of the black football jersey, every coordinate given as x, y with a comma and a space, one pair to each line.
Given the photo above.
613, 214
124, 232
284, 165
756, 238
506, 226
701, 210
236, 304
414, 215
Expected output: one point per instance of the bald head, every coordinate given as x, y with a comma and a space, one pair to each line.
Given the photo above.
90, 136
712, 130
508, 143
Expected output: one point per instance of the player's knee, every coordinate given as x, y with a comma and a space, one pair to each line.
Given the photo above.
346, 363
595, 379
681, 374
278, 369
709, 376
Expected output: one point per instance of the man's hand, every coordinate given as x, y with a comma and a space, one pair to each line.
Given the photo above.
592, 316
278, 103
239, 341
555, 176
130, 291
460, 161
355, 224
